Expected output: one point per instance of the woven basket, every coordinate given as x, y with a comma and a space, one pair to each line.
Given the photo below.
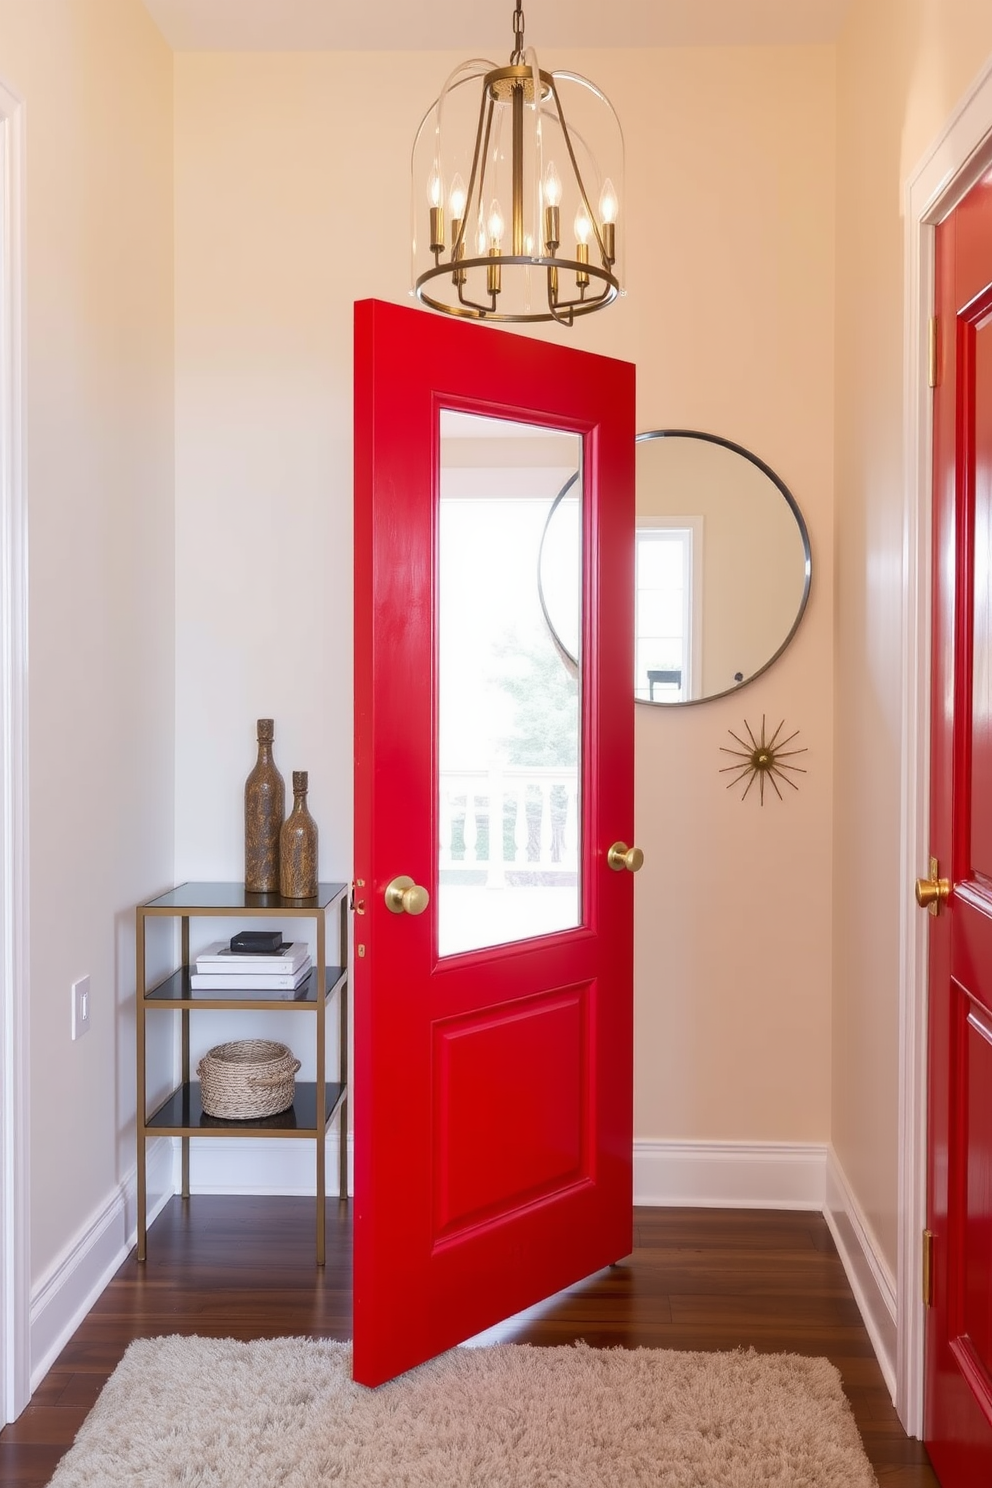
247, 1079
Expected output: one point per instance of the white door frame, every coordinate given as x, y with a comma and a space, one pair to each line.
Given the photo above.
15, 1381
956, 160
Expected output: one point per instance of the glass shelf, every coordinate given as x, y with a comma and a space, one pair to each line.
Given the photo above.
176, 992
229, 898
183, 1113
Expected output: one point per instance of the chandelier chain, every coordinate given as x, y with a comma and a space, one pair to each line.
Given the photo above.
517, 55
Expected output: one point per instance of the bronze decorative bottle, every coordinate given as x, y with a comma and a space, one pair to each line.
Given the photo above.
265, 804
298, 846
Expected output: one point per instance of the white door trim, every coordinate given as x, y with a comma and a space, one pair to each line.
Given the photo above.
952, 165
15, 1386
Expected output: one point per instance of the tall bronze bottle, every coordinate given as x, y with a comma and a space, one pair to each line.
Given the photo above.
265, 805
298, 846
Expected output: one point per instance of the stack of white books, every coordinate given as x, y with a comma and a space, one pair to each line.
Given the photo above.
219, 969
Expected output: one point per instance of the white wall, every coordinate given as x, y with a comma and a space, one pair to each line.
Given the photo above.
287, 210
97, 80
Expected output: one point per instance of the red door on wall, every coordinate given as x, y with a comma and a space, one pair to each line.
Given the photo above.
493, 775
958, 1410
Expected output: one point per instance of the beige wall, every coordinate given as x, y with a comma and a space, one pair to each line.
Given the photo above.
903, 65
97, 81
285, 213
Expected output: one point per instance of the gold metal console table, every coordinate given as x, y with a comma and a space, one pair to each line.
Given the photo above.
317, 1103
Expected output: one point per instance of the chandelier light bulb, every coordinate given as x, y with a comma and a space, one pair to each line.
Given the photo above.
457, 202
495, 224
457, 197
434, 198
494, 273
552, 200
608, 212
583, 232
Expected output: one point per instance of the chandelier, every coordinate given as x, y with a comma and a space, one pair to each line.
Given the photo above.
514, 210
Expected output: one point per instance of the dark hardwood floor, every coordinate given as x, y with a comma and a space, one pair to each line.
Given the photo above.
697, 1279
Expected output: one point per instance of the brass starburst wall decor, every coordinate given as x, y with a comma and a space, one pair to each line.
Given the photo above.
762, 759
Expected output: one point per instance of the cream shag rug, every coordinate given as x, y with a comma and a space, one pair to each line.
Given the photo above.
205, 1413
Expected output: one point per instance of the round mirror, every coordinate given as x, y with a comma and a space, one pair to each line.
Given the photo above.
722, 567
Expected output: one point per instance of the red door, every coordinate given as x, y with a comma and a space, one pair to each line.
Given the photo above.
493, 1030
958, 1416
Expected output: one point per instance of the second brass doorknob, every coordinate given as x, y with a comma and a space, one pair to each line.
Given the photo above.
620, 856
403, 896
933, 891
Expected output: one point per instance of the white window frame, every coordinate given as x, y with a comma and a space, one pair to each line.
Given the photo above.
691, 528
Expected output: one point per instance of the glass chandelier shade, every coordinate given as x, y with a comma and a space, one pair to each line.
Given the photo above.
517, 191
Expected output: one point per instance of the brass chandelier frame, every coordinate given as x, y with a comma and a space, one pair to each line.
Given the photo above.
516, 85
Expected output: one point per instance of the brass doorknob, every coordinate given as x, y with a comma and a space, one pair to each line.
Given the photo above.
403, 896
620, 856
931, 892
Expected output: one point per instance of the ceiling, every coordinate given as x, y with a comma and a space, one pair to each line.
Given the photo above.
473, 26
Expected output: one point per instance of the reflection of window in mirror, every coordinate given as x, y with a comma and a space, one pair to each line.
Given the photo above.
669, 607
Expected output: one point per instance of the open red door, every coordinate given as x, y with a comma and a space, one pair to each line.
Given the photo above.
493, 776
958, 1399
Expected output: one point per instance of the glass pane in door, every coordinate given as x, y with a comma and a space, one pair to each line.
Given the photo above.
509, 745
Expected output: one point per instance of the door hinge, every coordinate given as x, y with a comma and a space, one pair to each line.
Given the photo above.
932, 353
928, 1268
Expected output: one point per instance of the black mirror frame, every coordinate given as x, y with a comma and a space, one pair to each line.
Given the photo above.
738, 449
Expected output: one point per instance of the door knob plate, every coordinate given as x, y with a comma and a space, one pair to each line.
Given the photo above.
933, 891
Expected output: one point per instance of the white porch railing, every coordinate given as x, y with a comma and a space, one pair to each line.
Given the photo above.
530, 815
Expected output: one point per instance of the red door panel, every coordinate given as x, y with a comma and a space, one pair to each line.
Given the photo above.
482, 1173
493, 1089
958, 1406
976, 1320
979, 336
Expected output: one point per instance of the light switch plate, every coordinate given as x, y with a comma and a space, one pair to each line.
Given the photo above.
80, 1007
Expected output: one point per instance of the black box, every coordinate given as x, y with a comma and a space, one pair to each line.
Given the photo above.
257, 941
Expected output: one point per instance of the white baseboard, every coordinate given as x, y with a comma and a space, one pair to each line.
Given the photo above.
774, 1175
75, 1280
871, 1280
731, 1175
259, 1166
